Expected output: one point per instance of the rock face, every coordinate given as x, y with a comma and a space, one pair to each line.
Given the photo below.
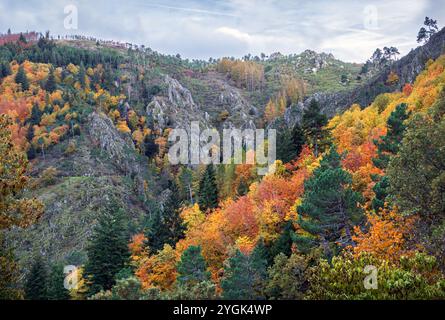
177, 109
118, 147
223, 106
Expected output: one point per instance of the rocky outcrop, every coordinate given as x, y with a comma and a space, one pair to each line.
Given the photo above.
118, 147
223, 107
176, 109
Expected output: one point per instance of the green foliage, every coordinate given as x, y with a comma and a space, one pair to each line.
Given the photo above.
284, 243
56, 289
204, 290
192, 268
208, 190
51, 84
289, 143
37, 281
389, 144
108, 249
313, 124
165, 226
244, 276
150, 146
329, 207
414, 278
22, 79
5, 69
416, 173
288, 277
386, 148
125, 289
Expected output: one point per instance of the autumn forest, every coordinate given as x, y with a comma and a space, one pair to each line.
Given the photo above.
92, 209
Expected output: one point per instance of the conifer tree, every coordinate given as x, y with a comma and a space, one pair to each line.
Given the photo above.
329, 207
50, 84
313, 124
192, 268
289, 143
208, 190
150, 146
5, 69
284, 243
36, 115
22, 79
388, 146
56, 289
108, 251
37, 280
164, 224
243, 276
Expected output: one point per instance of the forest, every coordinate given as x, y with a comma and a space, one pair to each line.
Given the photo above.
85, 180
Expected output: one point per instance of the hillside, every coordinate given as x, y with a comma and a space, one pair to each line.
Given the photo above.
358, 179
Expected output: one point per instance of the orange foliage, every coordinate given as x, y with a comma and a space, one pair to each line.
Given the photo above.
387, 237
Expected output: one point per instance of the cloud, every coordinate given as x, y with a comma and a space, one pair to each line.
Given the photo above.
200, 29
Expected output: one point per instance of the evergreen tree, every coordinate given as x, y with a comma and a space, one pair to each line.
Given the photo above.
329, 207
243, 276
313, 124
387, 147
290, 143
151, 148
172, 222
50, 85
192, 268
108, 249
155, 233
208, 190
284, 243
56, 289
164, 225
36, 282
5, 69
21, 78
81, 75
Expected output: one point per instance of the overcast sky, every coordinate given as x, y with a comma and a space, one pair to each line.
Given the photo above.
349, 29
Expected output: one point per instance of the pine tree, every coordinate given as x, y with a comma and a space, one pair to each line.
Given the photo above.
290, 143
56, 288
36, 115
155, 232
313, 124
50, 84
164, 225
208, 190
243, 277
387, 147
192, 268
329, 207
5, 69
36, 282
172, 222
81, 75
150, 146
22, 79
284, 243
107, 251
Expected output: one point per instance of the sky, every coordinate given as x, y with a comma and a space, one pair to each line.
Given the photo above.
349, 29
